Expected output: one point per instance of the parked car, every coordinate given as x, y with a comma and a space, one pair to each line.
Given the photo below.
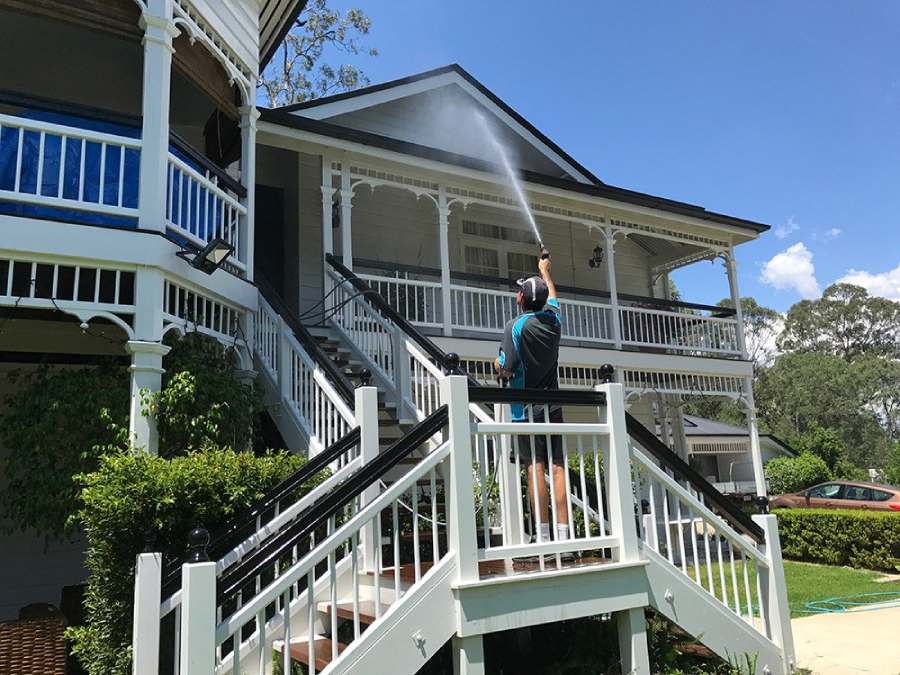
840, 494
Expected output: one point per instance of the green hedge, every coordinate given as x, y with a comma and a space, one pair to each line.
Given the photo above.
864, 539
133, 495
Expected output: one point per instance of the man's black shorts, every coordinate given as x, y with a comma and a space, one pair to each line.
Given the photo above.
540, 441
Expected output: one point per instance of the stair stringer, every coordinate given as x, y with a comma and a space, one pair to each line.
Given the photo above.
411, 631
704, 617
294, 433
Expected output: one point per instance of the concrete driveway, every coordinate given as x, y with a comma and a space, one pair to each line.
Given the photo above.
846, 643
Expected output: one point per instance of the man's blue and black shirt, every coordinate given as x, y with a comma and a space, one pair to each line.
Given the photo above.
530, 351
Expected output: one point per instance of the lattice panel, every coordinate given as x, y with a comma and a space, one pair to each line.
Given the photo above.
28, 279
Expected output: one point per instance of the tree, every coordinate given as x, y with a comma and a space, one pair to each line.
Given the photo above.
762, 326
297, 73
846, 322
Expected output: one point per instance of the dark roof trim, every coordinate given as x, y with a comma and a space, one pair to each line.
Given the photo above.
282, 117
463, 73
286, 23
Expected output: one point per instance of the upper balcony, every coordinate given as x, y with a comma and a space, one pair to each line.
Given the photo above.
79, 127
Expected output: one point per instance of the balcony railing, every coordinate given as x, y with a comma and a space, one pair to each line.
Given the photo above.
79, 165
644, 323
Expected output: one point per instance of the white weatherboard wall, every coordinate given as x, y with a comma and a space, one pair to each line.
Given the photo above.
31, 570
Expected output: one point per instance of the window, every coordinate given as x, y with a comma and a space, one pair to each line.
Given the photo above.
521, 265
857, 493
828, 491
881, 496
489, 231
482, 261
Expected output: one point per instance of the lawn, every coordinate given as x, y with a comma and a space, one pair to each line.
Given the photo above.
808, 583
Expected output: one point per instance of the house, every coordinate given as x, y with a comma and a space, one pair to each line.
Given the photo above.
722, 453
358, 252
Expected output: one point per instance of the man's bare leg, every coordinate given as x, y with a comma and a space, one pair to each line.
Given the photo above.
543, 494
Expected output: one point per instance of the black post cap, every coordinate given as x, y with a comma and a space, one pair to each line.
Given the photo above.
607, 373
365, 377
451, 363
762, 503
198, 540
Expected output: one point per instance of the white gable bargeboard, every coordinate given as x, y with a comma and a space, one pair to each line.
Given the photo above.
442, 111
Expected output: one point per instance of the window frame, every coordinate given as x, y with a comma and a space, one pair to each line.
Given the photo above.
500, 246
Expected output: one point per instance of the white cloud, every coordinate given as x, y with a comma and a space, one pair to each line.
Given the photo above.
793, 269
833, 232
883, 284
782, 231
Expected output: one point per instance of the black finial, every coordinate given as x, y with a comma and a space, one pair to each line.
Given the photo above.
198, 540
607, 373
451, 363
762, 503
365, 377
149, 540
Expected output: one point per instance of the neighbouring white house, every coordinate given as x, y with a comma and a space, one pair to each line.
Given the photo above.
721, 453
358, 251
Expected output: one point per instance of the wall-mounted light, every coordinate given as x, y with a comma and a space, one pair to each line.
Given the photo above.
597, 258
210, 258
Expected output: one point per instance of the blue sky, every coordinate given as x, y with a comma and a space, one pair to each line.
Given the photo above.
787, 113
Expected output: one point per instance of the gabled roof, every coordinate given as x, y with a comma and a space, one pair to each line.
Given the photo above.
330, 107
275, 20
283, 117
699, 427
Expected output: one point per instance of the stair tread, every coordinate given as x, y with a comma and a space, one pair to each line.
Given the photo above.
494, 568
323, 651
366, 610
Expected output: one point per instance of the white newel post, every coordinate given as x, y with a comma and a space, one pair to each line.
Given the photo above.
617, 461
462, 537
610, 237
402, 382
198, 609
146, 378
346, 215
366, 412
249, 115
159, 31
145, 630
773, 591
759, 472
444, 239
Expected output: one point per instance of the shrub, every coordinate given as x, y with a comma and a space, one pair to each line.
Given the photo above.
865, 539
201, 402
57, 424
131, 496
790, 474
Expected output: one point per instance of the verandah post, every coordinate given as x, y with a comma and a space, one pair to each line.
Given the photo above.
444, 242
145, 630
773, 592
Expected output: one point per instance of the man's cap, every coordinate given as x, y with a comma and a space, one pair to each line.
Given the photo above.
534, 289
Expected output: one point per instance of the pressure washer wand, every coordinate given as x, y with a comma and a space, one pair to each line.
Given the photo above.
544, 252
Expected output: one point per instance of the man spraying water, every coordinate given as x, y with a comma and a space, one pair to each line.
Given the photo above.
529, 357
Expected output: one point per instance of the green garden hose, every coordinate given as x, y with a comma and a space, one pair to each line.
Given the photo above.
852, 602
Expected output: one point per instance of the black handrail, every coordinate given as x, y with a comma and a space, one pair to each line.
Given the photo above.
335, 374
234, 531
685, 471
384, 308
480, 394
323, 509
575, 290
135, 121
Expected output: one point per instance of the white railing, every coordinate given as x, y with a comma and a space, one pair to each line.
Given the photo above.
200, 210
692, 538
335, 577
364, 328
304, 388
424, 391
59, 166
488, 310
678, 331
